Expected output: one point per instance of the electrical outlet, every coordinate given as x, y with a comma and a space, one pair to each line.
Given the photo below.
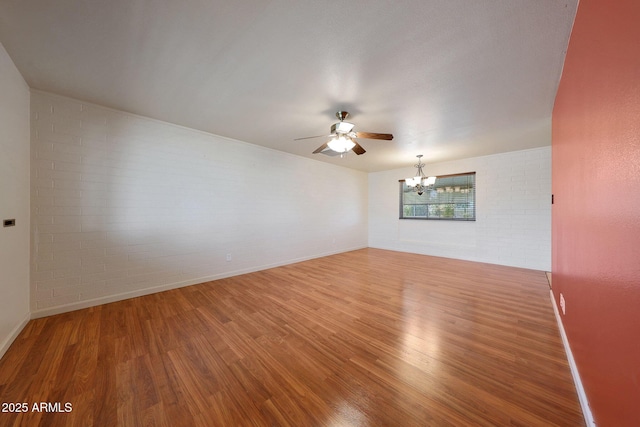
228, 257
562, 303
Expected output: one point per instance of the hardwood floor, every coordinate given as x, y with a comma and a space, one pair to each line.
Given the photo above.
364, 338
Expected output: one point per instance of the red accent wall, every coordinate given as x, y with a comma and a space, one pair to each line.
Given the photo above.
596, 215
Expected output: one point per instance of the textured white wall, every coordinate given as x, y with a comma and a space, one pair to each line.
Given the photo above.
14, 201
513, 212
124, 205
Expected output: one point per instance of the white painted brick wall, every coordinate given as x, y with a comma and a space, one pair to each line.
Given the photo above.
123, 205
513, 212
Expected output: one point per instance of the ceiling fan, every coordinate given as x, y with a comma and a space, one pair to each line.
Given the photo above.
343, 138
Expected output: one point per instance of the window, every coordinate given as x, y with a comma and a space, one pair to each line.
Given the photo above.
452, 197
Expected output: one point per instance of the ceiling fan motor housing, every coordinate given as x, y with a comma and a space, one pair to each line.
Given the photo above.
341, 127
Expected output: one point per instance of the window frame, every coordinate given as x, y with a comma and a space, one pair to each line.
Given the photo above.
471, 219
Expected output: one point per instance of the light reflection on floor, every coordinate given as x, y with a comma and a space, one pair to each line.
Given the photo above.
349, 417
421, 339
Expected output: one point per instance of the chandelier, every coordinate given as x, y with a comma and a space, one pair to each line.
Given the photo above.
420, 182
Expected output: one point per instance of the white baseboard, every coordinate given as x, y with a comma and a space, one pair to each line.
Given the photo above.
14, 334
582, 396
50, 311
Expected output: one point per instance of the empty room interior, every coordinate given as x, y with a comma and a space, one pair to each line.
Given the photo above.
366, 213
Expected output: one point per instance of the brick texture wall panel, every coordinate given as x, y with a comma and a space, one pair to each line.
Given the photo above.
125, 205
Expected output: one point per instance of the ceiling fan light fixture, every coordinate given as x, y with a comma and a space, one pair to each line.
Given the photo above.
342, 138
342, 127
341, 144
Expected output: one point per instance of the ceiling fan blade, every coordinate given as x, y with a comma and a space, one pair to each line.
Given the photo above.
321, 148
309, 137
369, 135
358, 149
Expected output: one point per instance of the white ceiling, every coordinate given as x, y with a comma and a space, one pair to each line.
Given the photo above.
449, 78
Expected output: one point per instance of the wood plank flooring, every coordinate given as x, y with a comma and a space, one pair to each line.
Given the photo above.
364, 338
